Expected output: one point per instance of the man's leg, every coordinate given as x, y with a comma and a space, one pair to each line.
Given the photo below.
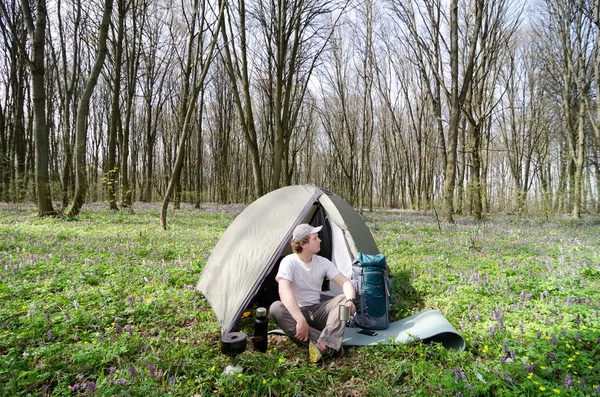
284, 320
326, 316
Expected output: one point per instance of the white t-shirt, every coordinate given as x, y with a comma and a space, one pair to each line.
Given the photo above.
306, 278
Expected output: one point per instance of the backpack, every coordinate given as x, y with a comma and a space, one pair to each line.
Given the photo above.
373, 292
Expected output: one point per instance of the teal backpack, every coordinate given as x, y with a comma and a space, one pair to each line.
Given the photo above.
373, 292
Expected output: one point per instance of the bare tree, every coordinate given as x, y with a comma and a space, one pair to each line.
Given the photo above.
36, 61
81, 184
498, 28
568, 54
198, 62
110, 171
340, 112
428, 44
235, 56
523, 124
13, 136
295, 36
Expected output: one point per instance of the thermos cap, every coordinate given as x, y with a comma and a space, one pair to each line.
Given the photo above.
261, 312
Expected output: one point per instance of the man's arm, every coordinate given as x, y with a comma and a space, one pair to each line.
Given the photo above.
286, 294
348, 288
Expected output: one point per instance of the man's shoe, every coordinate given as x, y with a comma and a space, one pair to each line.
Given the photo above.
318, 352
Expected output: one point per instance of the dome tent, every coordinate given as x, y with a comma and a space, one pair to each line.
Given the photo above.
249, 250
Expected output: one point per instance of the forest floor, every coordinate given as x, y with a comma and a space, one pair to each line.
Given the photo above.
105, 304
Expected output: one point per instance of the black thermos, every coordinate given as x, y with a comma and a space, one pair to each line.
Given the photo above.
260, 330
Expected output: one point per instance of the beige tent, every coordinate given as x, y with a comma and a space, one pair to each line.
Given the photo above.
250, 249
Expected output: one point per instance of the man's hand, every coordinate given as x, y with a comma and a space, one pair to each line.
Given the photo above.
302, 330
352, 307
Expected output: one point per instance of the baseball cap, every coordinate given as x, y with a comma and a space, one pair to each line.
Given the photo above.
303, 230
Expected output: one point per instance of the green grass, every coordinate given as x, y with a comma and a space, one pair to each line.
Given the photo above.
105, 304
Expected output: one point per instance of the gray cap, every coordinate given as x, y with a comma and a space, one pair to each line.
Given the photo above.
303, 230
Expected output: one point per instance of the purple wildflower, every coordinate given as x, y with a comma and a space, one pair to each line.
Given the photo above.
91, 386
67, 316
50, 337
128, 329
553, 339
132, 373
569, 300
498, 317
492, 331
528, 368
75, 387
151, 370
568, 381
521, 329
552, 356
507, 377
120, 381
48, 318
172, 381
112, 370
119, 329
538, 334
131, 300
459, 374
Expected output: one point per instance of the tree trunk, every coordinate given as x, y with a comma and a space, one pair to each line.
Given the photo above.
110, 172
578, 172
37, 34
476, 194
83, 110
239, 75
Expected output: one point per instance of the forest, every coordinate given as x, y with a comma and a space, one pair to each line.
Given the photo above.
462, 107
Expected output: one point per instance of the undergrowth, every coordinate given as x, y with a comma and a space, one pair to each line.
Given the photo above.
105, 304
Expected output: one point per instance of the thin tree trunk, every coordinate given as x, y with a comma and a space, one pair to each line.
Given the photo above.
83, 110
110, 173
190, 110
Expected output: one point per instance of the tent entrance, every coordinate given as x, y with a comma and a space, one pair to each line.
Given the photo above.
269, 289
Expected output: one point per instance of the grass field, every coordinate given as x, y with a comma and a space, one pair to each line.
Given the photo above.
106, 305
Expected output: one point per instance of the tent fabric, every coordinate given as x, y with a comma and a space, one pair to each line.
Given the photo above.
252, 244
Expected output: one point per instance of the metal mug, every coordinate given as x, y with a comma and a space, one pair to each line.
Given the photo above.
344, 313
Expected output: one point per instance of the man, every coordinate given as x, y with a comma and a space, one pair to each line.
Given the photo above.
300, 313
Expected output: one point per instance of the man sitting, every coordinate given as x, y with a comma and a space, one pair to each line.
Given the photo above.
300, 312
